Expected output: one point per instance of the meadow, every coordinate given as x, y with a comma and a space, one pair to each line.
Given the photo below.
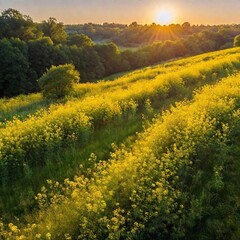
170, 174
27, 140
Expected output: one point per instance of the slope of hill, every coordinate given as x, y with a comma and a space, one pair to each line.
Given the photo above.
162, 185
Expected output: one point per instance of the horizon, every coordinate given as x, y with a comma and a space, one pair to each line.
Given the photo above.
101, 11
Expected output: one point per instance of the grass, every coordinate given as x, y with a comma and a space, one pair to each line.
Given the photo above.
16, 197
172, 175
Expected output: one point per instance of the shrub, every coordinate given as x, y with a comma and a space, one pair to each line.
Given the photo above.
236, 42
58, 81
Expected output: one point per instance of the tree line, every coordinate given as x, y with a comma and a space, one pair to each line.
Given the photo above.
28, 49
135, 34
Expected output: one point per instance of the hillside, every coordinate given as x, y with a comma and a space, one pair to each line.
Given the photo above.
170, 174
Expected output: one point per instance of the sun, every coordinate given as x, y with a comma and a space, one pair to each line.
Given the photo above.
164, 16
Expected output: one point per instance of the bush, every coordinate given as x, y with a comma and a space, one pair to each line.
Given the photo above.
58, 81
236, 42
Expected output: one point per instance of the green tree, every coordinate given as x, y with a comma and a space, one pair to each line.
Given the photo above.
56, 31
40, 55
80, 40
110, 57
58, 81
13, 69
236, 42
43, 54
14, 24
88, 29
90, 65
86, 60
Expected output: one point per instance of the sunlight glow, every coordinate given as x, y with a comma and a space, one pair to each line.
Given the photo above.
164, 16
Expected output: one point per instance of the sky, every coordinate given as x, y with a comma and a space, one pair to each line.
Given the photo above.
126, 11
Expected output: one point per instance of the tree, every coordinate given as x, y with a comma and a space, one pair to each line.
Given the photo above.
80, 40
236, 42
13, 69
14, 24
56, 31
58, 81
133, 25
88, 29
110, 56
89, 64
186, 25
40, 55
